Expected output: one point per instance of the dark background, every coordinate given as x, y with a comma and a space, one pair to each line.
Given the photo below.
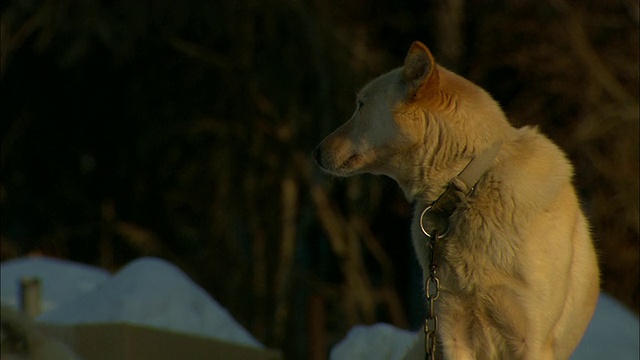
183, 129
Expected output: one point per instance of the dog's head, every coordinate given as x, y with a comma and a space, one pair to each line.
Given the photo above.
406, 115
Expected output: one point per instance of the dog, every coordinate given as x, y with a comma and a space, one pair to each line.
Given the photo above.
517, 268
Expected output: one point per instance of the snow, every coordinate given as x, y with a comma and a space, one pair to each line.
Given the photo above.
148, 291
153, 292
614, 333
61, 280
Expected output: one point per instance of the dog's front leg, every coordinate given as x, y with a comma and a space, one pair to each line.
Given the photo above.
454, 351
454, 329
539, 351
457, 350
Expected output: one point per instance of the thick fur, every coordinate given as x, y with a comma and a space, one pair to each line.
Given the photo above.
518, 270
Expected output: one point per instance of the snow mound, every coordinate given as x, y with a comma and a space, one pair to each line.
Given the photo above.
62, 281
153, 292
614, 333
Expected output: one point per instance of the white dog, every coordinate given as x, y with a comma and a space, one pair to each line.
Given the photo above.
515, 263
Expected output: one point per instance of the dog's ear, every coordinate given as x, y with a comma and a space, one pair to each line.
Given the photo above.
419, 69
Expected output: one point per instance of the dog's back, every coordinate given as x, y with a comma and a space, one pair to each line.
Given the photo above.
519, 272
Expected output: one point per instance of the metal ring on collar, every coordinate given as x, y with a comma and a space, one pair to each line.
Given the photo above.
424, 212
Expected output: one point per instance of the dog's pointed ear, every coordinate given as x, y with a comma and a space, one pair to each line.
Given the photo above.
419, 68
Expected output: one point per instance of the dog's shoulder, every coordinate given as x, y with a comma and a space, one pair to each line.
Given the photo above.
533, 163
529, 175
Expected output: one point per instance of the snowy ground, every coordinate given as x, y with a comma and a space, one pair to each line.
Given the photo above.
153, 292
148, 291
613, 334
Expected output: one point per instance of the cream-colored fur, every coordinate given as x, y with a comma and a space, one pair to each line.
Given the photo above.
518, 270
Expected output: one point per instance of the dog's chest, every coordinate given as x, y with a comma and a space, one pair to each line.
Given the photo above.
461, 266
475, 290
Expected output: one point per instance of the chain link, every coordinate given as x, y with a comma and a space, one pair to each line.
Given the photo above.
441, 211
432, 293
432, 290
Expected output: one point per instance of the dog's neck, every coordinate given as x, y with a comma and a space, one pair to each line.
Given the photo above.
464, 182
458, 189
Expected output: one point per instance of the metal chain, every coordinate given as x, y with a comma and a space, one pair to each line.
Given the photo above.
432, 290
442, 210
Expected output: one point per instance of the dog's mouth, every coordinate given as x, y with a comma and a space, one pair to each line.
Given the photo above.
350, 162
344, 168
340, 163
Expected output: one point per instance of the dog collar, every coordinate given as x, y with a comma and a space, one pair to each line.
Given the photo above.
460, 187
477, 167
